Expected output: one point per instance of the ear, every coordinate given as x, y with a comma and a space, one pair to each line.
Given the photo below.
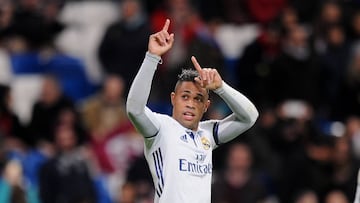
207, 105
172, 97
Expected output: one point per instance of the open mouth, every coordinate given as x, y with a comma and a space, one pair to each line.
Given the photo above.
188, 116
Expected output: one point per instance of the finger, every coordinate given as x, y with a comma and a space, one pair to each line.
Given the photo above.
161, 39
199, 81
196, 64
212, 75
153, 37
207, 75
171, 39
167, 24
164, 35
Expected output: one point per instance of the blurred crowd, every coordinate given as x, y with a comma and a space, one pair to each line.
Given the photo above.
66, 67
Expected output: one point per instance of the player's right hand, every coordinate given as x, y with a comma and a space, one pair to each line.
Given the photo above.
162, 41
208, 78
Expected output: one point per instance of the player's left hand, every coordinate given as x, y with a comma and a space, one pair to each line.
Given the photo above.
208, 78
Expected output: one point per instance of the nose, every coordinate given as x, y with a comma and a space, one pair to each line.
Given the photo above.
190, 104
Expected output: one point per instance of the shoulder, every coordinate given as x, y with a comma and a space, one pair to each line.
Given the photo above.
163, 117
211, 131
208, 124
167, 123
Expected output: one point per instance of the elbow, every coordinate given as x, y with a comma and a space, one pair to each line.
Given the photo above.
249, 118
132, 109
253, 116
132, 114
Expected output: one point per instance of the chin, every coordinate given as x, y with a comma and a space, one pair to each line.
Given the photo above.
190, 126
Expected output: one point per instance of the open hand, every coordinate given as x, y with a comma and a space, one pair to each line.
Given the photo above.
208, 78
162, 41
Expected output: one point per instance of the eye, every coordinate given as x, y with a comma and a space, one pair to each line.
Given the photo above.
199, 99
185, 97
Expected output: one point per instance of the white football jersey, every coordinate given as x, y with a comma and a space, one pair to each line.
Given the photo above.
180, 161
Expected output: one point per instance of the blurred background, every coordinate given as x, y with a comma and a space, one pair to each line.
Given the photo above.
66, 67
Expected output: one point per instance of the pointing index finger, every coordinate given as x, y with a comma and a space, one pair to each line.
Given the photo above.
196, 64
166, 25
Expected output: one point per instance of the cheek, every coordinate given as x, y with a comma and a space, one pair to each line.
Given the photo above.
201, 108
178, 105
205, 105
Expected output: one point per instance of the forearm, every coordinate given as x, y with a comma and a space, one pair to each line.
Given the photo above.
244, 114
241, 106
138, 96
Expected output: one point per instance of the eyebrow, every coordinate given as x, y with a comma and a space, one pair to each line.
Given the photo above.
186, 91
189, 92
199, 94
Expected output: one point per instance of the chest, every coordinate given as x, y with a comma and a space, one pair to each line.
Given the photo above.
182, 144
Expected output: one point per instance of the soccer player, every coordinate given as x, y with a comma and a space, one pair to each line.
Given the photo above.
178, 148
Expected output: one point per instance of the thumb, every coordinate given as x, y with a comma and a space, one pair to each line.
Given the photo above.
199, 81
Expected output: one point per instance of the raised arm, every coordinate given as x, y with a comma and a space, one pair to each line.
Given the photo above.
142, 117
244, 112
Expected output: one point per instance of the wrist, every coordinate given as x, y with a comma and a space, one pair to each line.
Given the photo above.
220, 89
153, 57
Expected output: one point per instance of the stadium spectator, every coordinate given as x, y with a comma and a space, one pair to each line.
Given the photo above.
253, 70
306, 196
66, 177
349, 89
46, 111
294, 73
30, 27
345, 168
330, 14
336, 196
13, 187
104, 115
352, 132
354, 27
186, 23
113, 139
264, 12
11, 130
239, 182
127, 193
139, 174
333, 62
124, 41
105, 111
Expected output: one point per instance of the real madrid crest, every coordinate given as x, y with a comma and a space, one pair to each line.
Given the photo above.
205, 142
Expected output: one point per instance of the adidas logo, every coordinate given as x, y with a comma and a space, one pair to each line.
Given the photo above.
184, 138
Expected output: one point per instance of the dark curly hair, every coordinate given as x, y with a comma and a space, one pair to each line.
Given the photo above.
188, 75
